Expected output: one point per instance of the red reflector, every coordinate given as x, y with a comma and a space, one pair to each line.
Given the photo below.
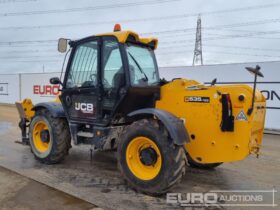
228, 97
229, 104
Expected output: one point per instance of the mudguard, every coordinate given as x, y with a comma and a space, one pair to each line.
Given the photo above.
173, 124
55, 108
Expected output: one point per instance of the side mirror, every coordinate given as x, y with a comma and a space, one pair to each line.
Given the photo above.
55, 81
255, 71
62, 45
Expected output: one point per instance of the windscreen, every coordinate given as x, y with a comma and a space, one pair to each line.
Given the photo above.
142, 65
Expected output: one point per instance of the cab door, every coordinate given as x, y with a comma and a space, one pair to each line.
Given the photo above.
81, 92
113, 77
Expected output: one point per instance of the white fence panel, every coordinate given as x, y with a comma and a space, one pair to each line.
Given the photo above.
236, 73
38, 87
9, 88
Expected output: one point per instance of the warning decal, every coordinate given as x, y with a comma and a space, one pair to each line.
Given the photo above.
241, 116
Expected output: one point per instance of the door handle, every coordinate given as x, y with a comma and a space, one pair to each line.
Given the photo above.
68, 100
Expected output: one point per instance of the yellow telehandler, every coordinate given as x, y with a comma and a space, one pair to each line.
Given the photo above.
112, 98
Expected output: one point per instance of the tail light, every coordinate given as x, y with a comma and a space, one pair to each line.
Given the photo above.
227, 123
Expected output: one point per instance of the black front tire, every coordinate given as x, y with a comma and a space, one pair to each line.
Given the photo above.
173, 157
59, 135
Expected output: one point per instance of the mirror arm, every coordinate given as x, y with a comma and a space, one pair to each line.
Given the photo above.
250, 110
256, 72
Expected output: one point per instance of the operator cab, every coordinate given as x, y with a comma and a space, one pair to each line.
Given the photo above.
108, 76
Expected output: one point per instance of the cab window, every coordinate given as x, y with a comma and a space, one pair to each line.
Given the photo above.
113, 69
83, 70
142, 66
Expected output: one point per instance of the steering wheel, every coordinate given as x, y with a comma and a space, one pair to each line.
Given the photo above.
105, 82
93, 78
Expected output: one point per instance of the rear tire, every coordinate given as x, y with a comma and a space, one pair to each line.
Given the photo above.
195, 164
144, 175
50, 138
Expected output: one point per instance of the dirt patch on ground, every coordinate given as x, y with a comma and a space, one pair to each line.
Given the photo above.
18, 192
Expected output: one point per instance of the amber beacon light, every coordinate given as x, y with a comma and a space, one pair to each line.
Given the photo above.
117, 27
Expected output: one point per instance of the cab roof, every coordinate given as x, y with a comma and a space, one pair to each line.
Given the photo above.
124, 36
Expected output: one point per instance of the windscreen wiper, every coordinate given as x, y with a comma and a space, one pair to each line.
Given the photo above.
139, 67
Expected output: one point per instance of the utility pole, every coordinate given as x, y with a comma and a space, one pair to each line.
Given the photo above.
197, 55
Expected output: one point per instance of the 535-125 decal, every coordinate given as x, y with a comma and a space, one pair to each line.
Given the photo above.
197, 99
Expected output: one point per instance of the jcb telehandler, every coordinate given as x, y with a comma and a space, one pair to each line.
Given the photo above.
113, 98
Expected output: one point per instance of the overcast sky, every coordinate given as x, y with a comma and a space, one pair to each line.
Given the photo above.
233, 31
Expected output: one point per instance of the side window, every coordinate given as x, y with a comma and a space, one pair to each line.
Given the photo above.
113, 76
83, 70
142, 66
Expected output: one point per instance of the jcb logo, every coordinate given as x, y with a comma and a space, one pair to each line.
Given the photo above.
84, 107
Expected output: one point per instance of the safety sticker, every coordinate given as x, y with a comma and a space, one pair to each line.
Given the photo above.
241, 116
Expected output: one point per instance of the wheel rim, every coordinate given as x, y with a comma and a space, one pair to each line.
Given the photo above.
143, 158
41, 136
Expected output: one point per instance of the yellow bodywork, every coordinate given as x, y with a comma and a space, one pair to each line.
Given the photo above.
123, 35
57, 99
25, 109
202, 120
208, 143
25, 106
